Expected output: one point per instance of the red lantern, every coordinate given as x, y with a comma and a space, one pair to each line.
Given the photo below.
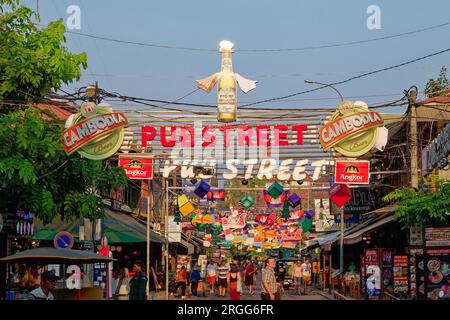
340, 194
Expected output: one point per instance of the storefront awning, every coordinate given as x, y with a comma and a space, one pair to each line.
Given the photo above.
356, 236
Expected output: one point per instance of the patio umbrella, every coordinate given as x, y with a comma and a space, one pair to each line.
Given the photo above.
115, 236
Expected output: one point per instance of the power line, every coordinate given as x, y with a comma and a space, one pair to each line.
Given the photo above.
349, 79
334, 45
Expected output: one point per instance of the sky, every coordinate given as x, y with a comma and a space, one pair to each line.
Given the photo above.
168, 74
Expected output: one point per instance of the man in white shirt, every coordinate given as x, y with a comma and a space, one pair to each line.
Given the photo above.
44, 292
306, 273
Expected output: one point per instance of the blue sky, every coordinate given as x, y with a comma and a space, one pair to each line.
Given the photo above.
169, 74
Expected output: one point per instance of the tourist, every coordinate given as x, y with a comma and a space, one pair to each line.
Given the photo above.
47, 285
249, 276
211, 271
306, 274
297, 276
182, 281
138, 283
234, 279
269, 287
222, 275
123, 287
195, 278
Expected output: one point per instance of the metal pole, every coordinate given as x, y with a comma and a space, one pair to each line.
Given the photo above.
341, 264
166, 229
148, 239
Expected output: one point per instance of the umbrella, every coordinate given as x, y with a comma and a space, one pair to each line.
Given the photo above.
45, 234
52, 256
115, 236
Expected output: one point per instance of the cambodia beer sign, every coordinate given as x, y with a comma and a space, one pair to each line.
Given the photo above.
352, 172
95, 132
352, 130
136, 167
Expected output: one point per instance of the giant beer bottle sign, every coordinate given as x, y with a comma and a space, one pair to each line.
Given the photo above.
96, 132
352, 130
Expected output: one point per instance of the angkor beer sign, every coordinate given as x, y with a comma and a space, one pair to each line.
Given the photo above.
96, 132
136, 167
352, 172
352, 130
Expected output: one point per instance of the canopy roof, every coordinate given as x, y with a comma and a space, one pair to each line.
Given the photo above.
52, 255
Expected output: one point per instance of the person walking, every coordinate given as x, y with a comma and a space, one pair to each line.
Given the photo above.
182, 281
47, 285
234, 279
222, 275
306, 274
138, 283
123, 287
249, 276
211, 275
269, 287
297, 274
195, 278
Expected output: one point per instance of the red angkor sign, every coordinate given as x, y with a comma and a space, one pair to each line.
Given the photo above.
352, 172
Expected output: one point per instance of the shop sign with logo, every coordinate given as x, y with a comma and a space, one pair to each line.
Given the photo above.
95, 132
136, 167
363, 200
353, 130
352, 172
437, 236
436, 154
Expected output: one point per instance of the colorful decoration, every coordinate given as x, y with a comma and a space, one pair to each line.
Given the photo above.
340, 194
274, 203
177, 214
216, 194
275, 190
202, 189
286, 213
185, 206
202, 218
294, 200
247, 201
309, 214
235, 220
306, 225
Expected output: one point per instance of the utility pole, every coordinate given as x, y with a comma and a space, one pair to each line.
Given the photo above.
413, 139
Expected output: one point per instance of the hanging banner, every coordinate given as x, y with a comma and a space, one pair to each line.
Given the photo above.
136, 167
401, 276
352, 172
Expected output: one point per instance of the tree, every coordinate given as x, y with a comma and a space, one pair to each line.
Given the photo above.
36, 175
422, 207
436, 88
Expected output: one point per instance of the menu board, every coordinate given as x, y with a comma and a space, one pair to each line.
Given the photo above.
416, 235
401, 276
387, 266
415, 255
372, 274
437, 237
437, 271
420, 277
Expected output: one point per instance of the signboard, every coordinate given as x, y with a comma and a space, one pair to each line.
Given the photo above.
436, 154
401, 276
352, 130
437, 236
136, 167
63, 240
363, 200
416, 235
372, 274
387, 256
352, 172
95, 132
437, 274
348, 218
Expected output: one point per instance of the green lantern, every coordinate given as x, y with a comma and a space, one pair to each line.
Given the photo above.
306, 224
247, 201
177, 214
286, 214
275, 190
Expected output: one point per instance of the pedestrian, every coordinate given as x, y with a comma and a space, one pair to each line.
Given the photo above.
138, 283
222, 275
182, 281
297, 276
195, 278
234, 279
211, 270
281, 275
123, 287
269, 287
249, 276
47, 285
306, 274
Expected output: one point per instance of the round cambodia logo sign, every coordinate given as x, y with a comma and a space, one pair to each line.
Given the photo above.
96, 132
352, 130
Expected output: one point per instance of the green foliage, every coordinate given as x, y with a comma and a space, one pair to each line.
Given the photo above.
422, 207
33, 60
435, 88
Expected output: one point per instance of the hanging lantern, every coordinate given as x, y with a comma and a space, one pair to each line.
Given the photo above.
310, 213
184, 205
275, 190
247, 201
294, 200
306, 225
286, 214
202, 189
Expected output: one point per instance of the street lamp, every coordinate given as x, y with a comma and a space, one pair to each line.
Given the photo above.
341, 255
326, 85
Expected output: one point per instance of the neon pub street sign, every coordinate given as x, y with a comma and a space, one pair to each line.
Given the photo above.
352, 130
95, 132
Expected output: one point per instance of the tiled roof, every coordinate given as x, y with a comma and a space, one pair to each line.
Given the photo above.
441, 99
